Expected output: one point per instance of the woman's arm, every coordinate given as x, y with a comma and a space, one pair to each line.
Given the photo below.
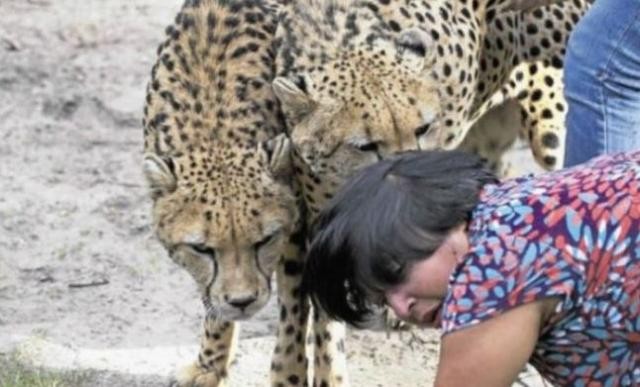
492, 353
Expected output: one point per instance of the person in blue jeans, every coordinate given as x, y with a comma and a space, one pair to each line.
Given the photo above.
602, 81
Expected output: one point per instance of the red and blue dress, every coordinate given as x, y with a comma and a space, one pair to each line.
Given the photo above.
573, 235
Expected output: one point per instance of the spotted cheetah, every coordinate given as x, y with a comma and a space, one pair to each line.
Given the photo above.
218, 167
362, 79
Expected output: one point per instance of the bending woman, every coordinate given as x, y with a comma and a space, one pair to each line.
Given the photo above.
542, 269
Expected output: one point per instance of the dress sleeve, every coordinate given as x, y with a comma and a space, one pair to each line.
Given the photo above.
504, 271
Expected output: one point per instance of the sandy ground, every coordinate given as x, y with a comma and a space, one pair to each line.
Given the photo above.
83, 283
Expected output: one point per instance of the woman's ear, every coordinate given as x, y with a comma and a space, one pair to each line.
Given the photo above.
459, 239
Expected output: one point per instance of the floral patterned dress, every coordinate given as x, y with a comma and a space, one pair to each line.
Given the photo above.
574, 235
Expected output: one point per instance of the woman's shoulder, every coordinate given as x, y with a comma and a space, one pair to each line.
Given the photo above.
595, 181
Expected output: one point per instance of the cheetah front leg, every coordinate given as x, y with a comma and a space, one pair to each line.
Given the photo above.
545, 116
494, 134
217, 349
330, 362
289, 365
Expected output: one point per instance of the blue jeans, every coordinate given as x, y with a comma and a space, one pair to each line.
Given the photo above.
602, 81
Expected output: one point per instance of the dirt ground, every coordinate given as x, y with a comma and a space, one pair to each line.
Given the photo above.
83, 283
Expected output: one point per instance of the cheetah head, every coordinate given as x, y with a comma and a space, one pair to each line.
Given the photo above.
369, 102
226, 216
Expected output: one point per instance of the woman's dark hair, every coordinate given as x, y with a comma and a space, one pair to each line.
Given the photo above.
386, 217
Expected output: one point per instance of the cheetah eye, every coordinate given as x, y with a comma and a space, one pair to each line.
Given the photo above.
203, 249
264, 241
422, 130
368, 147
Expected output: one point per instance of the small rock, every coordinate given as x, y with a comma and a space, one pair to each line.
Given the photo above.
11, 44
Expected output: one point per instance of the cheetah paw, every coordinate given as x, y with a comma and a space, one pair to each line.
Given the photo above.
195, 376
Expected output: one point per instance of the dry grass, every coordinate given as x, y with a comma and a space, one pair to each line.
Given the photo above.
13, 373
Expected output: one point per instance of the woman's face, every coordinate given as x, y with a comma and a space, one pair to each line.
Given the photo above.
419, 299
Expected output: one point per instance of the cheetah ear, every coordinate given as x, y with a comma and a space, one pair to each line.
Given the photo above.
279, 153
293, 96
416, 48
160, 174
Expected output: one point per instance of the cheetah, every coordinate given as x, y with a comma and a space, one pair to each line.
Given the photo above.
362, 79
359, 80
219, 171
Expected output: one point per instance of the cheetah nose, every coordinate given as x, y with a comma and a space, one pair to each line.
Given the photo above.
241, 302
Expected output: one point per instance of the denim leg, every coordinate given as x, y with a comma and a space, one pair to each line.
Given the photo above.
602, 81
